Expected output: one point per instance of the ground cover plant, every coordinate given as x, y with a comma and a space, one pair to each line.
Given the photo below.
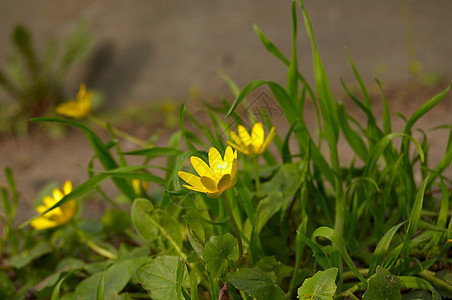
239, 209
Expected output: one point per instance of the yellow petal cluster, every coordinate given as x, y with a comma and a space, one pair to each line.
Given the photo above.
57, 216
253, 144
215, 178
78, 108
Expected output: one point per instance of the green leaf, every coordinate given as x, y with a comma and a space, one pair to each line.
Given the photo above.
115, 277
217, 253
115, 220
25, 257
159, 277
149, 221
383, 286
256, 283
7, 287
321, 286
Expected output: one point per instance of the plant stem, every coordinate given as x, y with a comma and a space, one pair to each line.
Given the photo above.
93, 245
118, 132
256, 174
235, 227
223, 290
430, 276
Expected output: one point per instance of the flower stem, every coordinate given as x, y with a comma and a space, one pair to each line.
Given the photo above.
235, 227
93, 245
256, 174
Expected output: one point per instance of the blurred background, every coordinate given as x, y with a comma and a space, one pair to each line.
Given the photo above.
143, 50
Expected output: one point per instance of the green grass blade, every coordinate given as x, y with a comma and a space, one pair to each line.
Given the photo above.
182, 129
424, 109
441, 222
382, 248
231, 83
179, 278
327, 105
151, 153
339, 243
447, 158
387, 127
379, 148
412, 282
290, 111
292, 81
272, 49
100, 290
353, 139
415, 215
56, 289
361, 83
101, 150
78, 191
320, 257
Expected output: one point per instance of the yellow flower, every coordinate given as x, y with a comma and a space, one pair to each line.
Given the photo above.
215, 178
78, 108
139, 186
254, 144
59, 215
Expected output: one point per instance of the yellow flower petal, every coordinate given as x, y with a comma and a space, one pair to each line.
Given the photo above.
235, 166
224, 182
241, 149
58, 215
209, 183
268, 140
57, 195
41, 208
236, 139
201, 167
244, 135
214, 195
191, 179
68, 209
229, 154
257, 136
67, 187
48, 201
214, 157
203, 190
215, 178
42, 223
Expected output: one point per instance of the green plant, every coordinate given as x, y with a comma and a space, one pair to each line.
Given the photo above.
34, 82
305, 225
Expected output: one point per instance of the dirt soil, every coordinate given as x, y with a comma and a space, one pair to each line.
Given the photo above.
40, 158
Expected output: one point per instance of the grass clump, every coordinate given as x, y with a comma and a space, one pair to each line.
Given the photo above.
292, 223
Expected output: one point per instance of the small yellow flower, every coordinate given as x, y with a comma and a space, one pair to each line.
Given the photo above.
215, 178
57, 216
78, 108
139, 186
253, 144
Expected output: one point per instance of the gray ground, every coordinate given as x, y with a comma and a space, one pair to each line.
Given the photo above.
153, 50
